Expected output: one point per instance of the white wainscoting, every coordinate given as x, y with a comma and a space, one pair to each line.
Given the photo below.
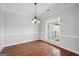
69, 42
18, 39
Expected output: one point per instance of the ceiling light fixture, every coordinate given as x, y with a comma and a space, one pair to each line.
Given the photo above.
35, 18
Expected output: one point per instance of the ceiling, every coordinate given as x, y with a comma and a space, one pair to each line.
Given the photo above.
28, 9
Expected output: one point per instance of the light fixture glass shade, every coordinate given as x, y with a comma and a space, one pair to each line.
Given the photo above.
32, 21
38, 22
35, 20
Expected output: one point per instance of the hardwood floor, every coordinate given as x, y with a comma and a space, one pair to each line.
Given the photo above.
36, 48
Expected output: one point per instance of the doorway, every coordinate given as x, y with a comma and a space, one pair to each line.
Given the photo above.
53, 30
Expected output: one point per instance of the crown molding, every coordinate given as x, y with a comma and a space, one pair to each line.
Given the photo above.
58, 10
12, 11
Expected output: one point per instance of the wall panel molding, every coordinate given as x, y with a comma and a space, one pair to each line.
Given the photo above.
18, 39
70, 36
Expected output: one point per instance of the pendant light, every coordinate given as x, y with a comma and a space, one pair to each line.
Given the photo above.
35, 18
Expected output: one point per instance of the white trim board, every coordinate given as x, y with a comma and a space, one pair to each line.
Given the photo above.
20, 42
70, 36
17, 39
1, 49
65, 35
14, 34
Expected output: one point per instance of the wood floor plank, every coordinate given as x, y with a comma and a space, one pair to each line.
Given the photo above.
36, 48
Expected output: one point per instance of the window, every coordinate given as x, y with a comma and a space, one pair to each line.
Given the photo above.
53, 30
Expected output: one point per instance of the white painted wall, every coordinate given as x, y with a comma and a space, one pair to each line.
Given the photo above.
69, 26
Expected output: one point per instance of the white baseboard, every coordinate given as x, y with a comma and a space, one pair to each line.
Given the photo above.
18, 38
19, 43
59, 45
1, 49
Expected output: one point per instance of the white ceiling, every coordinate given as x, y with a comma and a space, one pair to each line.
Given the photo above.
28, 8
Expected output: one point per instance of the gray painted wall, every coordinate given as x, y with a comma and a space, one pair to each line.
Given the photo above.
69, 26
18, 28
1, 27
